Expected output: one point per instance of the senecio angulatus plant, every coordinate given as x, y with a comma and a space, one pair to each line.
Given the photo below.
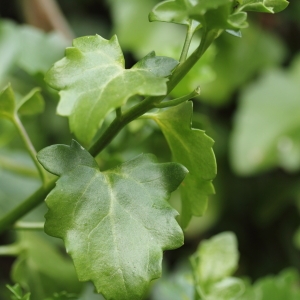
115, 224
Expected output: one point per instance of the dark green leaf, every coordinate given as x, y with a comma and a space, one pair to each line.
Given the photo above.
115, 224
93, 82
59, 159
193, 149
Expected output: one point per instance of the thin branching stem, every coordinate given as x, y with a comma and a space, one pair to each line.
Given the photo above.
29, 147
114, 128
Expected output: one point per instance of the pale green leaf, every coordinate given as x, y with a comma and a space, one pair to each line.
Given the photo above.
16, 290
211, 14
193, 149
32, 103
266, 127
42, 269
7, 103
229, 288
116, 224
92, 82
215, 259
265, 6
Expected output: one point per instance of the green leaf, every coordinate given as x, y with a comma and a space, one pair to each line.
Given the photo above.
115, 224
193, 149
172, 11
282, 286
33, 103
42, 268
18, 293
265, 6
215, 259
210, 14
69, 157
93, 82
229, 288
266, 127
7, 103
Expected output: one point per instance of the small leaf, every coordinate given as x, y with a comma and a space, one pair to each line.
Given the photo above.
173, 11
92, 82
59, 159
210, 14
264, 6
116, 224
192, 148
32, 103
215, 259
7, 103
18, 293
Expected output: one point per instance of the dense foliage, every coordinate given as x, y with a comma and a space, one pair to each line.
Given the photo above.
116, 207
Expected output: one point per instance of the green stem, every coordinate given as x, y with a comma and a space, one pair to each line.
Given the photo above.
177, 101
10, 250
27, 205
191, 29
115, 127
29, 225
29, 147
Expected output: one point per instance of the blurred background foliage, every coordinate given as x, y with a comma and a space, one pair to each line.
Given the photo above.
249, 104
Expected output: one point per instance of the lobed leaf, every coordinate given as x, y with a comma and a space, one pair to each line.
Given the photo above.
193, 149
92, 82
115, 224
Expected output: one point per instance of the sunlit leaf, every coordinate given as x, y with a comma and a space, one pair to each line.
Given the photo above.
93, 82
193, 149
115, 224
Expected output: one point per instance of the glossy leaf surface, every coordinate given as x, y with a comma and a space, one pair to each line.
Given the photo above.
193, 149
115, 224
92, 82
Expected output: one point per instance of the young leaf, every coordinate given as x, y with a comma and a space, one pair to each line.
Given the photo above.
213, 263
18, 293
192, 148
92, 82
33, 103
265, 6
211, 14
115, 224
7, 103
